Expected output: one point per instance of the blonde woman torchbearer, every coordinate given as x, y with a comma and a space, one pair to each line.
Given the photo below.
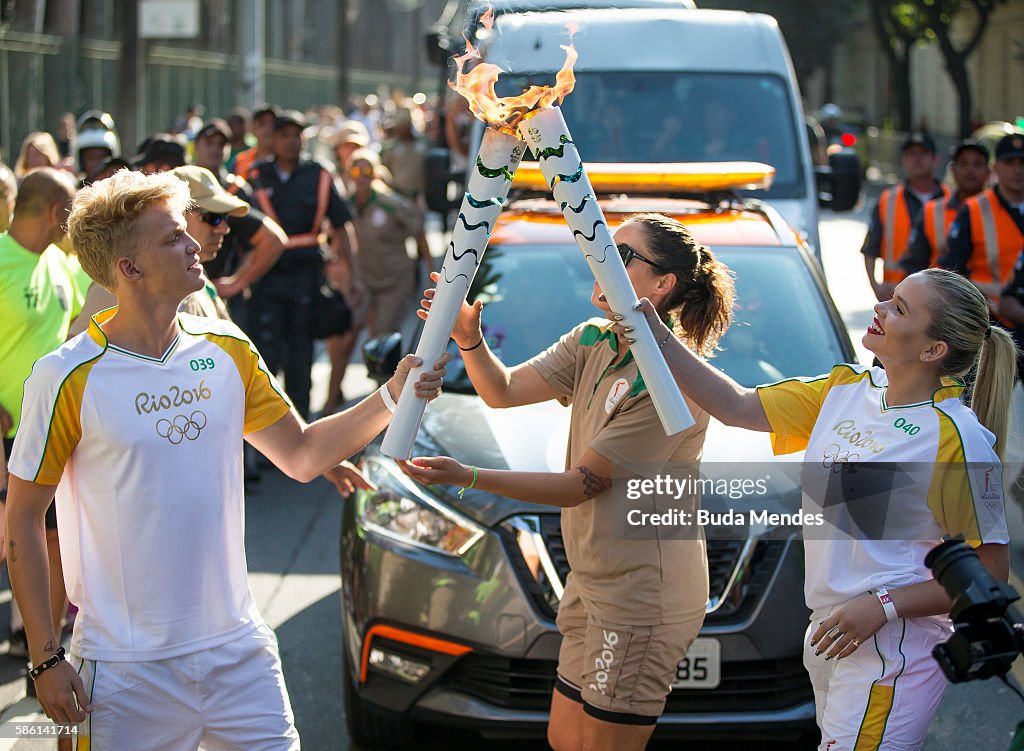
877, 611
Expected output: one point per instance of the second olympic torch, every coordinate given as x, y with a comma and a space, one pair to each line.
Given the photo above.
488, 186
548, 136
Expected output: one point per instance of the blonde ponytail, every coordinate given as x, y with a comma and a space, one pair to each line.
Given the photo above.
993, 386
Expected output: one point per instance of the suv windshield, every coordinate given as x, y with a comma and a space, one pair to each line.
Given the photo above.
633, 116
534, 294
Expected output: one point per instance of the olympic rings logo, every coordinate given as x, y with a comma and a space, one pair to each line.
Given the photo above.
835, 458
181, 427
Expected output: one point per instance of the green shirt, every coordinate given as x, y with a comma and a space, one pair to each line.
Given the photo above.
82, 283
37, 301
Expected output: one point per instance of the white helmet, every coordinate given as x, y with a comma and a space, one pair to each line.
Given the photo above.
96, 130
831, 112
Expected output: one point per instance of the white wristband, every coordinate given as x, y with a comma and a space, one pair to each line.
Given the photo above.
887, 604
385, 396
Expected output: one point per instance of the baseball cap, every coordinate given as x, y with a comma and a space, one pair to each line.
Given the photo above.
290, 117
1010, 146
163, 148
969, 144
215, 125
206, 192
353, 132
918, 138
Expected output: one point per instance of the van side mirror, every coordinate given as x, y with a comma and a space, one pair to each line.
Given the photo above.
382, 355
437, 177
845, 188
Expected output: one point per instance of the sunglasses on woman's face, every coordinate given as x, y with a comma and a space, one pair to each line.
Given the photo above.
214, 220
627, 254
361, 171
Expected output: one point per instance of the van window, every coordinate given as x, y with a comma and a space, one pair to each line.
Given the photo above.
634, 116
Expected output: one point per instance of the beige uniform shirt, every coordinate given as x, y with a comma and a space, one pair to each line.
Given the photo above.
382, 227
640, 582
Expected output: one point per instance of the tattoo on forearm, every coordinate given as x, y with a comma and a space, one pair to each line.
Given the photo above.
49, 647
593, 484
10, 552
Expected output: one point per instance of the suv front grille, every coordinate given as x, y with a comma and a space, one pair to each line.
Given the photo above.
738, 570
527, 685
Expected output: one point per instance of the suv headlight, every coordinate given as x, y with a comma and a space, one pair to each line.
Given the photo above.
401, 510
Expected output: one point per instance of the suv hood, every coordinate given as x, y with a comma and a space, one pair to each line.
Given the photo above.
533, 438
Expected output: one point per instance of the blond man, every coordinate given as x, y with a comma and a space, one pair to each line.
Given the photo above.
137, 424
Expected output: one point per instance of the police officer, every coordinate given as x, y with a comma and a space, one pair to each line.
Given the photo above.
897, 209
987, 235
969, 168
298, 194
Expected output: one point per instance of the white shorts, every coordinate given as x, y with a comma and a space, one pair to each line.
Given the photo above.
884, 695
230, 697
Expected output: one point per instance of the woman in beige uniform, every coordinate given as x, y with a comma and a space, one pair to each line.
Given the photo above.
631, 607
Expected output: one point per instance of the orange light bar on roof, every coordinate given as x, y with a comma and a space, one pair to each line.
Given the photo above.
668, 177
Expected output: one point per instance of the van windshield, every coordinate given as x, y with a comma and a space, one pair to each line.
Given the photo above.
643, 116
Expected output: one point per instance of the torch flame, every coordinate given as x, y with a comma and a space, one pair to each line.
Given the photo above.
505, 113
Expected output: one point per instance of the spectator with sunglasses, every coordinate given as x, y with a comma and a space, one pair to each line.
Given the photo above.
206, 223
636, 604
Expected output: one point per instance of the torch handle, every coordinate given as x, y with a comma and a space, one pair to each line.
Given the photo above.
488, 184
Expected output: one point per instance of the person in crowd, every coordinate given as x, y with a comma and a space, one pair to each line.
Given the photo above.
367, 112
239, 121
969, 167
402, 154
987, 235
1011, 309
8, 194
159, 153
37, 150
263, 124
347, 139
299, 195
642, 599
66, 136
95, 142
189, 122
38, 300
254, 242
877, 612
160, 576
896, 211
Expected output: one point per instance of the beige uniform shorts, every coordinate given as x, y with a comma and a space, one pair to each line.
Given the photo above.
620, 673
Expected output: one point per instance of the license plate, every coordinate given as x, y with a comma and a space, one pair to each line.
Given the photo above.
702, 666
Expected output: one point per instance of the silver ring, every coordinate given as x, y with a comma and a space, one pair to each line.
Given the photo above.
833, 632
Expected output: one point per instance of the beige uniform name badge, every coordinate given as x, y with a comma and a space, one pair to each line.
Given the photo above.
616, 394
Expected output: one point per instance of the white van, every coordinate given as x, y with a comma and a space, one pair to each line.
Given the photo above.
673, 85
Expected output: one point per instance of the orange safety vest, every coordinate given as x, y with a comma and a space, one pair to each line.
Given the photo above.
938, 218
896, 227
323, 195
243, 161
995, 241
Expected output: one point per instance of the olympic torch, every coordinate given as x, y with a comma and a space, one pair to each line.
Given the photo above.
560, 163
488, 185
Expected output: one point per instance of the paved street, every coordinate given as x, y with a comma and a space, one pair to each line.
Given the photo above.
292, 541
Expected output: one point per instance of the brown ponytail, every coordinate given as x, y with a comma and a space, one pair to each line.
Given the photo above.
702, 300
960, 318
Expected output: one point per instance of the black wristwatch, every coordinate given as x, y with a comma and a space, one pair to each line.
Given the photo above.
3, 495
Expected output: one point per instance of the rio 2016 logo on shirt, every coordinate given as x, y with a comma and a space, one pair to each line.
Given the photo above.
181, 427
993, 491
175, 397
847, 429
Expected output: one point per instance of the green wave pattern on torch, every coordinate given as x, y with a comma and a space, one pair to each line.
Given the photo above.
477, 204
577, 209
558, 151
488, 172
572, 178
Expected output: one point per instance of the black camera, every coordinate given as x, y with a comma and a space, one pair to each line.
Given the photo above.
987, 634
